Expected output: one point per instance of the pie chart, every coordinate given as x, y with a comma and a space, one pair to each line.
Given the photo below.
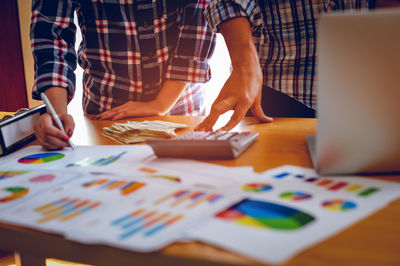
12, 173
265, 215
295, 196
257, 187
12, 193
41, 158
338, 205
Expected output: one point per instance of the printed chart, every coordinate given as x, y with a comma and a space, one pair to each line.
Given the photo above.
295, 196
125, 187
145, 222
189, 198
40, 158
339, 205
267, 215
257, 187
11, 173
96, 161
65, 209
12, 193
331, 184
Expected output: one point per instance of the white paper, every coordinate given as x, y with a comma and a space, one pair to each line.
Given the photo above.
109, 159
270, 195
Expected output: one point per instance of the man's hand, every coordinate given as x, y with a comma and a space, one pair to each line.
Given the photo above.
46, 130
166, 98
243, 88
241, 91
131, 109
49, 135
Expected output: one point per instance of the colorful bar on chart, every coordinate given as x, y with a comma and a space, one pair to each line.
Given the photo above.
282, 175
139, 219
65, 209
97, 162
127, 217
324, 182
94, 183
311, 179
338, 186
163, 225
188, 196
116, 184
131, 187
176, 195
368, 192
211, 198
353, 188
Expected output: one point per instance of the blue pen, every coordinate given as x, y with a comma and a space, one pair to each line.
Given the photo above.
54, 115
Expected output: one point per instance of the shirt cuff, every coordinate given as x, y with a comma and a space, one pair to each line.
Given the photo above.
194, 71
220, 11
47, 80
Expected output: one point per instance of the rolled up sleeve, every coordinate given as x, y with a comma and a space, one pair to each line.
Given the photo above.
52, 41
195, 46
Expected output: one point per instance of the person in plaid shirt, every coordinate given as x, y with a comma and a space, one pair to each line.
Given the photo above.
140, 58
273, 53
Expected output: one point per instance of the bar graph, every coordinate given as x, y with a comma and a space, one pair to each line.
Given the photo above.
330, 184
65, 209
125, 187
89, 161
189, 199
145, 222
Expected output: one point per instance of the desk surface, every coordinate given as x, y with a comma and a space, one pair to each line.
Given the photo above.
374, 240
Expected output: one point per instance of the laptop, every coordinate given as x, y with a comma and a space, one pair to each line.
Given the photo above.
358, 126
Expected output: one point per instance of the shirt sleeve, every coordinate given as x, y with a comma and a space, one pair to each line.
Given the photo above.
195, 45
219, 11
52, 41
334, 5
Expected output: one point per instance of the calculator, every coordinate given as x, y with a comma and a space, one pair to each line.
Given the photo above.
204, 145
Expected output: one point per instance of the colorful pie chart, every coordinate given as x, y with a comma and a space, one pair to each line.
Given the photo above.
257, 187
12, 193
11, 173
41, 158
295, 196
265, 215
338, 205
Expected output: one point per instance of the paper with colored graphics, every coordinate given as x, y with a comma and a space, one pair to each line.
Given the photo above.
128, 212
291, 208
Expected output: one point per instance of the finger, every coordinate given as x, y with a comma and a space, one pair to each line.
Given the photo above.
105, 116
208, 123
50, 146
237, 116
55, 141
119, 116
69, 125
258, 113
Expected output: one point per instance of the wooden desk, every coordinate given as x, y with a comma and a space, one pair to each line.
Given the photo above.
374, 240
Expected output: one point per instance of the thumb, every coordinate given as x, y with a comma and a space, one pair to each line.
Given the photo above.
258, 113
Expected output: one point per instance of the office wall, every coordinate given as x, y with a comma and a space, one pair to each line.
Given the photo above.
24, 11
12, 77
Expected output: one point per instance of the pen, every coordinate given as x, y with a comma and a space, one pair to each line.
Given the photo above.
53, 114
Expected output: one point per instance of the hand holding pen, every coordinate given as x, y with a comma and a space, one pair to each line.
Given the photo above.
50, 129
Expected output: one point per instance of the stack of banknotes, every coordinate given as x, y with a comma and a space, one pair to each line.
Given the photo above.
134, 132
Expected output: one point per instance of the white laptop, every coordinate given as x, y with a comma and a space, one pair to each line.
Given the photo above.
358, 126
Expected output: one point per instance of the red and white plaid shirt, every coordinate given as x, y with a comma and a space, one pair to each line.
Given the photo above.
129, 48
285, 35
